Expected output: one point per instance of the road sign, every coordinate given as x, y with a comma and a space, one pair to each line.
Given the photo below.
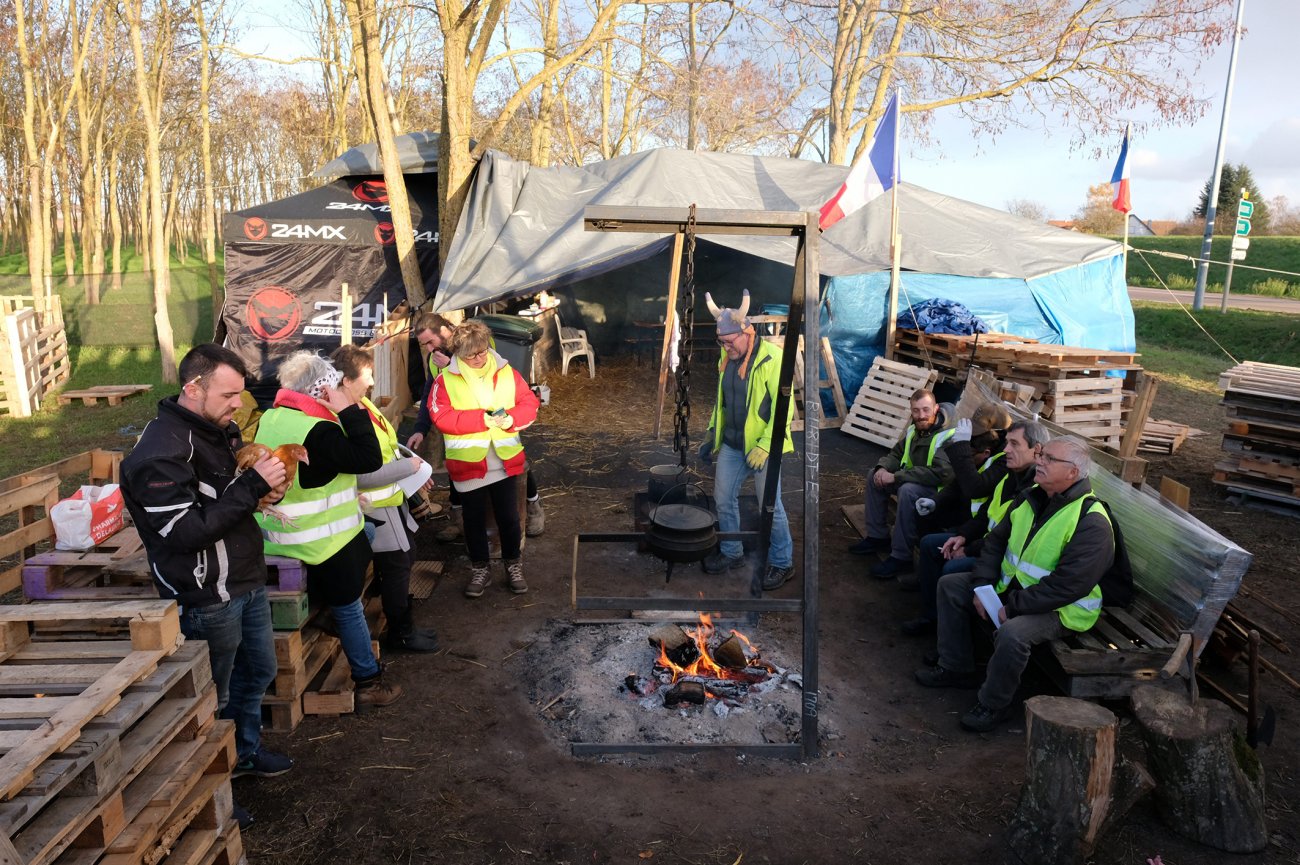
1245, 209
1240, 243
1239, 255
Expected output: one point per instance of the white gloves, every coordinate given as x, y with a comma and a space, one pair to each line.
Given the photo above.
924, 507
962, 431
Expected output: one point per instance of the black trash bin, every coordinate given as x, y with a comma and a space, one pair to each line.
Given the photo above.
516, 340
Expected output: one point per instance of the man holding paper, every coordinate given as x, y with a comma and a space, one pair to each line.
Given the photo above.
1045, 562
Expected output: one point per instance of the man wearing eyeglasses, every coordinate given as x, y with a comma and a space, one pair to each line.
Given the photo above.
740, 437
1045, 562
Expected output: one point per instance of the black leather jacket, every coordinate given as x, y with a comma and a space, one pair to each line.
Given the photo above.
195, 517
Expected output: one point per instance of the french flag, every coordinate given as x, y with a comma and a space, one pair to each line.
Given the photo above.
871, 177
1119, 180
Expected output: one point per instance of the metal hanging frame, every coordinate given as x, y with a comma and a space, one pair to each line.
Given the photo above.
802, 227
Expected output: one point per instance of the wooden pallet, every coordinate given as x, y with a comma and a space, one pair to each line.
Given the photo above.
80, 797
113, 394
1262, 442
830, 384
1088, 406
1163, 436
1118, 654
425, 575
882, 409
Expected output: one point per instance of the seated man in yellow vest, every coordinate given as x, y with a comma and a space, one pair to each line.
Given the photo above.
1045, 561
914, 468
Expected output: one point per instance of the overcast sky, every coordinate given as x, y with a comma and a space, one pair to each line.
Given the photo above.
1169, 166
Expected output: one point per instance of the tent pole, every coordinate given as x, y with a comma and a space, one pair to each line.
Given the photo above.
895, 255
670, 319
345, 317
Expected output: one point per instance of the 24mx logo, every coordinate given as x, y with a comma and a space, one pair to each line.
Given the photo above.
326, 321
284, 230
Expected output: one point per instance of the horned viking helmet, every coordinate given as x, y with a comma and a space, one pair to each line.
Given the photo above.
730, 320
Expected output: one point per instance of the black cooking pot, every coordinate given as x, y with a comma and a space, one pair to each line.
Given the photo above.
681, 533
665, 485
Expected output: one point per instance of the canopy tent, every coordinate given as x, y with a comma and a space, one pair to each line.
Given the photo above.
287, 260
521, 232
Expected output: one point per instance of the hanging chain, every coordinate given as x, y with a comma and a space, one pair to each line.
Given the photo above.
681, 424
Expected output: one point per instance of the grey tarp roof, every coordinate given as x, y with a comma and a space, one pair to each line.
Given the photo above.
521, 229
417, 152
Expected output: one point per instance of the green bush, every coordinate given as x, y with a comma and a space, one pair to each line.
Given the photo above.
1273, 287
1178, 282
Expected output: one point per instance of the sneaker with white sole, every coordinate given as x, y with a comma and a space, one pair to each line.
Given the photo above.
480, 578
263, 764
515, 573
536, 522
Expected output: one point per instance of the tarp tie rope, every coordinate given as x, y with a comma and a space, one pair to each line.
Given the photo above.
1174, 297
1196, 259
681, 422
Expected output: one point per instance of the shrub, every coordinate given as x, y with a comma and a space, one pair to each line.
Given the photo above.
1273, 287
1178, 282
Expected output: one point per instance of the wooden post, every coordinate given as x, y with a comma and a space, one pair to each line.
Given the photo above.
1137, 417
345, 317
1210, 783
670, 318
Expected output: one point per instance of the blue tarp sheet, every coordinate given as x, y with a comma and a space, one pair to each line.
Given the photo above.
1085, 306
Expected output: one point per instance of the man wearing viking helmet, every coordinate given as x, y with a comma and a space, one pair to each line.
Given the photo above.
739, 437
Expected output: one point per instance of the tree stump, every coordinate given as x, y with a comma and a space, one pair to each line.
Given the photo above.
1210, 784
1074, 784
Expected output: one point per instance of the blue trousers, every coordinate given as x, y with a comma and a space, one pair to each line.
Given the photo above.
729, 476
931, 565
242, 650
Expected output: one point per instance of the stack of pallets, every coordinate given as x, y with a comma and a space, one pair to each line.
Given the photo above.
882, 409
1262, 442
1075, 385
112, 753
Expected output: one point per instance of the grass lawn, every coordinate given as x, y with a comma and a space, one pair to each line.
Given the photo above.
1273, 253
1173, 344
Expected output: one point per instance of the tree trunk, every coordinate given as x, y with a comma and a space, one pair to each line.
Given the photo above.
1210, 783
1074, 784
544, 128
207, 221
65, 216
115, 213
157, 247
370, 64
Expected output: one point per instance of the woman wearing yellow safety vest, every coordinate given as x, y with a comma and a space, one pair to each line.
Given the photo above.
480, 404
319, 520
384, 504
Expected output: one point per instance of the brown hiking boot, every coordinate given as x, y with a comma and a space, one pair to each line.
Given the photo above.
375, 693
480, 578
515, 573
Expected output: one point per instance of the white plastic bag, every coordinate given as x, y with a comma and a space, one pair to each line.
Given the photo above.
89, 517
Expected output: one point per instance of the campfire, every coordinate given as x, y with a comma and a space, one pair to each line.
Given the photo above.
697, 664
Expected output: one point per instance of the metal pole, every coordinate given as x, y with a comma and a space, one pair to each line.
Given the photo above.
1227, 280
1211, 203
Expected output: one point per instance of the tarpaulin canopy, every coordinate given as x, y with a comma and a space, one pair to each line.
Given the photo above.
287, 260
521, 229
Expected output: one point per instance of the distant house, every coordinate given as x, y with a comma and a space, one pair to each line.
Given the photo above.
1137, 227
1163, 227
1067, 224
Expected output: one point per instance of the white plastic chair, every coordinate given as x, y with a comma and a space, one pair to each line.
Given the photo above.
573, 343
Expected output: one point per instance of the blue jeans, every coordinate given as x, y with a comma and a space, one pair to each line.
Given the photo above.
350, 622
731, 472
931, 565
242, 650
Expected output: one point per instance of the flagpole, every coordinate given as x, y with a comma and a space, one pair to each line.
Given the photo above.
895, 246
1127, 142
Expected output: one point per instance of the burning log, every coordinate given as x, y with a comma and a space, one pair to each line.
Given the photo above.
685, 692
640, 685
719, 687
730, 653
678, 647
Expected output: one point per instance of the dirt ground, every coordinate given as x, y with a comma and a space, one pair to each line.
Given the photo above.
474, 764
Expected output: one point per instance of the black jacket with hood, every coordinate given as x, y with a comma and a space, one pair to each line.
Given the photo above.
194, 516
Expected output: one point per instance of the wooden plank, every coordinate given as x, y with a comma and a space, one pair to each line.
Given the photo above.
1137, 418
1176, 493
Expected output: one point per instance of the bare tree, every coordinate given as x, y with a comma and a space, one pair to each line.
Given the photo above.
1026, 209
150, 78
1002, 62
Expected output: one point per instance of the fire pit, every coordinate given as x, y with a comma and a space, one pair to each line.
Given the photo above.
606, 685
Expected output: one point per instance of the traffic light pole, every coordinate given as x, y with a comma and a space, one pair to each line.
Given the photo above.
1212, 200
